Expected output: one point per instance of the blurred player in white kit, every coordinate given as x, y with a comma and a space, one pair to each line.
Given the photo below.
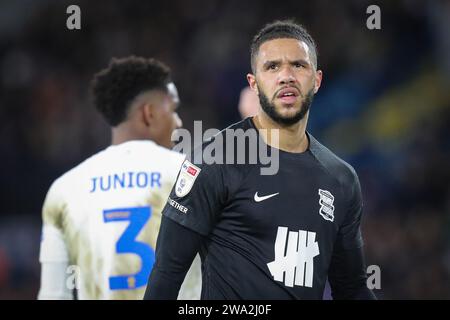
103, 216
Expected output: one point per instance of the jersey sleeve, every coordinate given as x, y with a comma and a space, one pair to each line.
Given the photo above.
53, 247
53, 254
172, 260
54, 282
198, 196
349, 234
347, 276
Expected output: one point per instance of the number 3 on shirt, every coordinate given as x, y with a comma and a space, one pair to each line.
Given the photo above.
138, 217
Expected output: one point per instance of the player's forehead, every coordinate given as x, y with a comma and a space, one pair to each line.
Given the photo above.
283, 49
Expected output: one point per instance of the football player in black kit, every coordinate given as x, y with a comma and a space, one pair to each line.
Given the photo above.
274, 236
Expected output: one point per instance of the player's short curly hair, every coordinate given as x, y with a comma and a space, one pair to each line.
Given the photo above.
278, 30
115, 87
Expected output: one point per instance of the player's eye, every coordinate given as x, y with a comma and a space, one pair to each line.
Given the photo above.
299, 65
272, 66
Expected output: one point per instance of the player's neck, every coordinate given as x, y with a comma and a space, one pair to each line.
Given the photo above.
291, 138
122, 134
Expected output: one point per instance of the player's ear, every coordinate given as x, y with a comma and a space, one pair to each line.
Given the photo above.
148, 113
317, 80
252, 82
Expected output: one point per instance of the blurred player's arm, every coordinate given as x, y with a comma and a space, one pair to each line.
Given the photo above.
347, 274
175, 250
53, 251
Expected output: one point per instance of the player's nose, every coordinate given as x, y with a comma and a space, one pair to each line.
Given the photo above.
178, 121
286, 76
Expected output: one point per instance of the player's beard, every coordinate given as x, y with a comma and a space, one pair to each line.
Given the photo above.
270, 109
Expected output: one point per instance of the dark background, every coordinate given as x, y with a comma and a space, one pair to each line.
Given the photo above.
384, 106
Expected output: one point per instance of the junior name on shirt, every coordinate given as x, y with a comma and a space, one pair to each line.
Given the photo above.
125, 180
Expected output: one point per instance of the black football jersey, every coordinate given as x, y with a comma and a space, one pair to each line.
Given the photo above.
269, 236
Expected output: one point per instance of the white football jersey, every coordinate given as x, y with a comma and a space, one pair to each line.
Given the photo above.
107, 212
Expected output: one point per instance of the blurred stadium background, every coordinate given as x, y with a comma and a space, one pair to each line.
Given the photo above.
384, 106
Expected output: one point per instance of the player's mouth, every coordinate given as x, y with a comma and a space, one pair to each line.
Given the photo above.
288, 95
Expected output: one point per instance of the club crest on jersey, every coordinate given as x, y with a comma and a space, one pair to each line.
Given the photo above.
326, 209
186, 178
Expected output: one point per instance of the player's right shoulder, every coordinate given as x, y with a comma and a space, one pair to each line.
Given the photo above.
221, 148
216, 159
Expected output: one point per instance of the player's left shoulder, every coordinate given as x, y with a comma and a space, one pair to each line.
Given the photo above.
336, 166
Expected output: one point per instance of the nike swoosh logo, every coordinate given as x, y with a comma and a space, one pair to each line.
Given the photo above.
259, 199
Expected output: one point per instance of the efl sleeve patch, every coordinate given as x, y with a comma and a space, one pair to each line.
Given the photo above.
186, 178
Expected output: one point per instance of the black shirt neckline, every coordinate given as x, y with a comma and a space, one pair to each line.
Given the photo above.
283, 153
